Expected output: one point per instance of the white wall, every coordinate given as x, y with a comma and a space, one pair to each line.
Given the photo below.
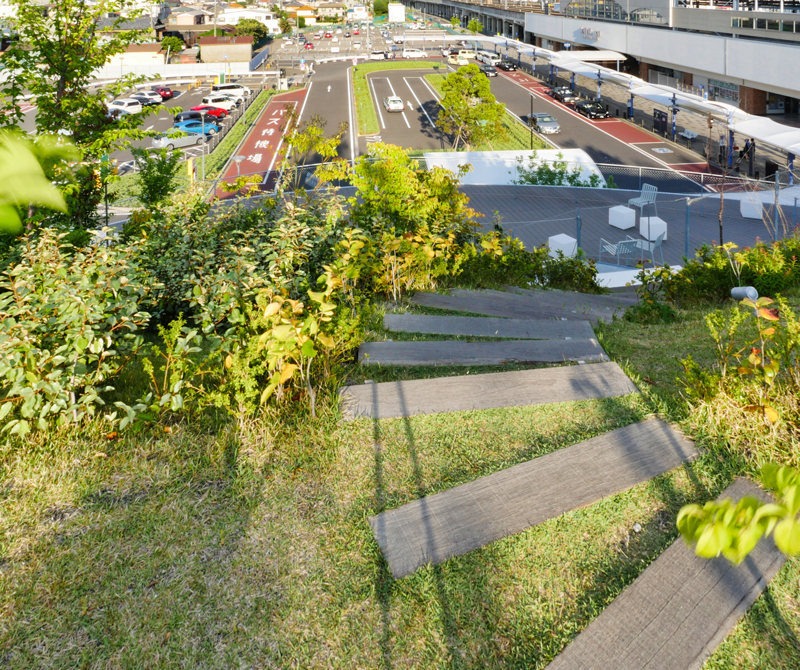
763, 65
184, 69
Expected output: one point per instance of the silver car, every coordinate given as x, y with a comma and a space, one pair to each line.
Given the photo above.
544, 123
174, 138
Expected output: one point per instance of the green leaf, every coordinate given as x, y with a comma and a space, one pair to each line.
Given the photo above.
787, 536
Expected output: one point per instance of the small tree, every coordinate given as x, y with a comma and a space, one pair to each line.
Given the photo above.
554, 173
301, 22
475, 26
470, 113
455, 21
285, 26
157, 172
173, 44
251, 27
380, 7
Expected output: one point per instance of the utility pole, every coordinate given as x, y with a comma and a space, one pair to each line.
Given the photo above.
530, 122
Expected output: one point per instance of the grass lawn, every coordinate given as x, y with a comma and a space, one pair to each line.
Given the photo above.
365, 108
210, 543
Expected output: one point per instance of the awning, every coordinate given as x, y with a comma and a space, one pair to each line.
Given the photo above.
591, 56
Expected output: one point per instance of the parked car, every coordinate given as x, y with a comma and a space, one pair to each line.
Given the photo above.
207, 128
127, 105
218, 112
564, 94
328, 35
219, 100
488, 70
176, 138
506, 65
355, 31
347, 34
377, 55
455, 59
339, 31
165, 92
236, 96
147, 98
544, 123
393, 104
309, 45
189, 115
334, 39
230, 88
413, 53
357, 44
591, 109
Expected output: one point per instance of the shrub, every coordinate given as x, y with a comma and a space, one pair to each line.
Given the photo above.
71, 321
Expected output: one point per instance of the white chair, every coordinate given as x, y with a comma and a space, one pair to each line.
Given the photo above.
625, 248
646, 197
650, 248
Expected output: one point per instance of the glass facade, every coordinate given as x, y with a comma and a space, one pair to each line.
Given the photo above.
609, 9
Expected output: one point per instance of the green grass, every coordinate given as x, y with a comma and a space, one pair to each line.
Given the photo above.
225, 544
517, 135
367, 118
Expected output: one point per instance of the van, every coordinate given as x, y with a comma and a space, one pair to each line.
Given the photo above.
466, 53
489, 58
230, 88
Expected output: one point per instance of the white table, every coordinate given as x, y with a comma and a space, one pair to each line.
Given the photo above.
563, 243
650, 227
622, 217
750, 208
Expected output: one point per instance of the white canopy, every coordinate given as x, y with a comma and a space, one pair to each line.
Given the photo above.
591, 56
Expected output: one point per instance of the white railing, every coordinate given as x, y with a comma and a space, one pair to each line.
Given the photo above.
176, 70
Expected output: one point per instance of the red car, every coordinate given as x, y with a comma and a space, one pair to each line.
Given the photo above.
355, 32
212, 111
309, 45
328, 35
164, 92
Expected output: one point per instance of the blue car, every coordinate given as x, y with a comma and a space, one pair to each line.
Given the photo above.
209, 127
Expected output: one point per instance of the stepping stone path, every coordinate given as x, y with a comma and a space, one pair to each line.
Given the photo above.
677, 611
454, 522
472, 326
480, 353
533, 304
486, 391
681, 607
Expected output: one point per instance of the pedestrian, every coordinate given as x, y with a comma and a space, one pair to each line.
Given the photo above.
329, 89
746, 151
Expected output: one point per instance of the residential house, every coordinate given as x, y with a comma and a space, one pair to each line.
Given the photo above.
186, 16
232, 16
139, 54
227, 49
331, 10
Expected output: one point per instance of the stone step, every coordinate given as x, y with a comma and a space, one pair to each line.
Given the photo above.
487, 391
469, 516
480, 353
678, 610
617, 299
550, 303
533, 329
508, 306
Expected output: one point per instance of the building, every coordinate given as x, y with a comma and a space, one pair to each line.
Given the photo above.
742, 52
233, 49
331, 10
139, 54
231, 16
188, 16
397, 12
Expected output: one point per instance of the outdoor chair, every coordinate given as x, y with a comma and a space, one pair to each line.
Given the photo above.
646, 197
626, 247
650, 248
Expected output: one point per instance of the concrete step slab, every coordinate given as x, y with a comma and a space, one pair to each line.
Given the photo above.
480, 353
678, 610
487, 391
611, 300
469, 516
492, 307
533, 329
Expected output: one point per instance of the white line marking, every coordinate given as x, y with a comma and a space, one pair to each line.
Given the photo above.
280, 142
305, 100
431, 89
403, 114
149, 128
377, 105
350, 118
430, 120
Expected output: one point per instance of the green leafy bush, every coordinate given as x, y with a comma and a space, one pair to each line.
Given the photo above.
71, 321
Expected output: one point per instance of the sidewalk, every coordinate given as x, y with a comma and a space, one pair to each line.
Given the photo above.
617, 99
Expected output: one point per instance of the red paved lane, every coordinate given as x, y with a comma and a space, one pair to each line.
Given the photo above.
261, 147
626, 132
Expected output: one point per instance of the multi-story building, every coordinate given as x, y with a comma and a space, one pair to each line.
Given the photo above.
742, 52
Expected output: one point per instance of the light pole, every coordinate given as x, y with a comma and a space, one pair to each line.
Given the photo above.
203, 122
238, 160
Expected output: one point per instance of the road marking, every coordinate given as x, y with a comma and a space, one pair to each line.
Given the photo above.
350, 118
280, 142
377, 104
418, 101
149, 128
403, 114
305, 100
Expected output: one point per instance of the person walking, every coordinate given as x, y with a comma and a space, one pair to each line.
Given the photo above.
329, 89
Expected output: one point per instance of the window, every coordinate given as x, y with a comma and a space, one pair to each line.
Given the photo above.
787, 26
747, 23
773, 25
761, 24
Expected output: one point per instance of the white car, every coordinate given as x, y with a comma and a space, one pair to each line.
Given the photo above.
334, 39
339, 31
393, 104
126, 105
356, 45
377, 55
148, 97
175, 138
236, 96
219, 100
413, 53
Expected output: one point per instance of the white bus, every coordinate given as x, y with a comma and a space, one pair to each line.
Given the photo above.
489, 58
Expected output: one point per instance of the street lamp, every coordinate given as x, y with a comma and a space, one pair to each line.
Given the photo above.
238, 160
203, 122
